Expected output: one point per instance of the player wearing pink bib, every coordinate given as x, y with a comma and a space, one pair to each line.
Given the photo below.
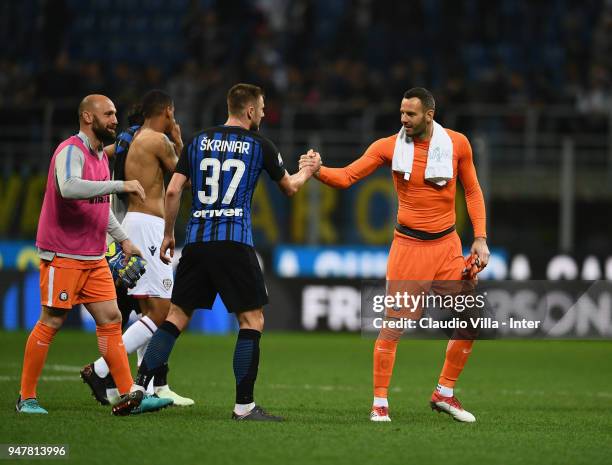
71, 240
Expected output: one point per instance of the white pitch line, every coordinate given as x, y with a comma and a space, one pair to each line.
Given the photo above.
328, 387
42, 378
513, 392
322, 387
65, 368
49, 366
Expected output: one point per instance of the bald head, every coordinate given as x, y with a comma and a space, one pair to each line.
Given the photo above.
98, 115
91, 102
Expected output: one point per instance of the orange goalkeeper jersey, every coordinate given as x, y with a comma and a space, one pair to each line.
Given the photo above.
421, 205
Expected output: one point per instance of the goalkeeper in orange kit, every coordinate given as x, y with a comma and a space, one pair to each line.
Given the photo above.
426, 160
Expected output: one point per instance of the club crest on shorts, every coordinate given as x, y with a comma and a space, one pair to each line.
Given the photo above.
152, 249
167, 284
63, 296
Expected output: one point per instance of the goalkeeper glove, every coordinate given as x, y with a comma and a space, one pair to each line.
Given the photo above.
126, 274
472, 267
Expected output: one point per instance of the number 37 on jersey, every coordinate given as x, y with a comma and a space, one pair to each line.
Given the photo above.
214, 168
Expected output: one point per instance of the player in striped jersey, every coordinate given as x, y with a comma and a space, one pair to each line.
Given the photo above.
223, 164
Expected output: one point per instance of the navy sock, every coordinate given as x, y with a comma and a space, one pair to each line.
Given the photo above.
155, 360
246, 363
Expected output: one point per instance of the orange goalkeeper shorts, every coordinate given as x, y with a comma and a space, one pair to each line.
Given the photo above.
65, 282
413, 264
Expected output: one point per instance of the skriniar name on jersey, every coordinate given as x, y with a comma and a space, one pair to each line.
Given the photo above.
224, 164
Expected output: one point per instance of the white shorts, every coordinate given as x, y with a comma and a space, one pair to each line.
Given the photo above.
147, 233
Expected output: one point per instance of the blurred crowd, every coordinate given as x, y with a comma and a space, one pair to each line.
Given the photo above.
357, 53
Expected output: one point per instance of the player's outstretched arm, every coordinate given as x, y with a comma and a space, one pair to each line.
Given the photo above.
71, 185
342, 178
290, 184
172, 203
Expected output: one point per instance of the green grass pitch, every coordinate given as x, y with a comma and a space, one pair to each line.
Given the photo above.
537, 402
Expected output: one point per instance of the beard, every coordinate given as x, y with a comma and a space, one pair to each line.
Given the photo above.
254, 126
103, 133
419, 130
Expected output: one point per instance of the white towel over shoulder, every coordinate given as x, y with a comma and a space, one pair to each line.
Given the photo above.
439, 169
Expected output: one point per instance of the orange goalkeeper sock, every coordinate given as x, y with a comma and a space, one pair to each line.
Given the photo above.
384, 359
457, 354
36, 350
110, 344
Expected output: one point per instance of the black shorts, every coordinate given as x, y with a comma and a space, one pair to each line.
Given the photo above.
228, 268
126, 304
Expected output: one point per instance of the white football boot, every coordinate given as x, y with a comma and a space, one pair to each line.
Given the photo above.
451, 406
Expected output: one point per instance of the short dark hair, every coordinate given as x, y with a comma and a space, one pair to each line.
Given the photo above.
154, 102
426, 98
240, 95
135, 116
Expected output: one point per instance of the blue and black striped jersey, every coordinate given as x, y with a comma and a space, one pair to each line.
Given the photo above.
122, 146
224, 164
